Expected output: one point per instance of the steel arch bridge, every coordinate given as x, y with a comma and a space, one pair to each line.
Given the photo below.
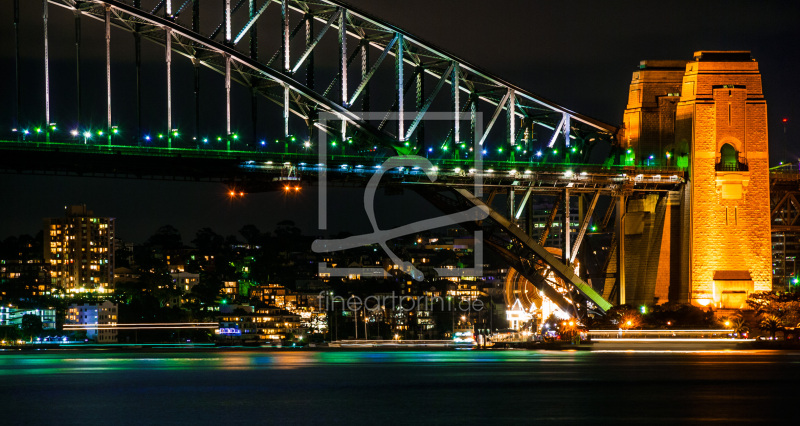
387, 60
331, 70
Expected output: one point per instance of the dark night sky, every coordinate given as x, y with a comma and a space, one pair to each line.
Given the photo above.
577, 53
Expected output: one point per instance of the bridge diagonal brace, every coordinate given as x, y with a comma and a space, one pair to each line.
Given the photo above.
524, 202
316, 40
429, 101
609, 213
582, 231
251, 22
500, 106
560, 269
557, 130
372, 71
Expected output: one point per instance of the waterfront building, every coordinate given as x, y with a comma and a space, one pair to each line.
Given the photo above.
79, 251
11, 316
97, 319
263, 324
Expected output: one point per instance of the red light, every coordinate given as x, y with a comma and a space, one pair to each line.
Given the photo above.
241, 194
785, 120
286, 188
296, 188
232, 194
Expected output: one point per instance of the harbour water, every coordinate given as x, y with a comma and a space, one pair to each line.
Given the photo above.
396, 387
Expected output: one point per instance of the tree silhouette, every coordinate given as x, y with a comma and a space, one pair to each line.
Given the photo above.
31, 325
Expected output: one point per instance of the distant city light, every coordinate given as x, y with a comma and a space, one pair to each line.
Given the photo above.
74, 132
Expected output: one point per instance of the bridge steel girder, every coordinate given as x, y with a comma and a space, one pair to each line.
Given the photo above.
564, 271
268, 81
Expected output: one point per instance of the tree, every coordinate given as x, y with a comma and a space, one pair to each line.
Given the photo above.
166, 237
31, 325
772, 324
739, 326
251, 234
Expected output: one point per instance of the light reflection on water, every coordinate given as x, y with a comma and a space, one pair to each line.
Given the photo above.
63, 361
442, 387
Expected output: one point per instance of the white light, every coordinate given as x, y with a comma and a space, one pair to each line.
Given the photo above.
457, 170
527, 172
472, 170
490, 171
74, 133
568, 174
512, 172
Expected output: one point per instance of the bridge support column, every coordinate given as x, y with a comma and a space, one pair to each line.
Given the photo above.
78, 64
399, 87
46, 73
228, 101
565, 227
310, 60
16, 67
621, 248
343, 55
457, 109
169, 86
108, 72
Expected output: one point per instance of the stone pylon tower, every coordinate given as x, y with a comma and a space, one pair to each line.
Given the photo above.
710, 243
722, 116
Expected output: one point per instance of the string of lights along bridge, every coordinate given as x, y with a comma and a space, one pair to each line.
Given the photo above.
369, 87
